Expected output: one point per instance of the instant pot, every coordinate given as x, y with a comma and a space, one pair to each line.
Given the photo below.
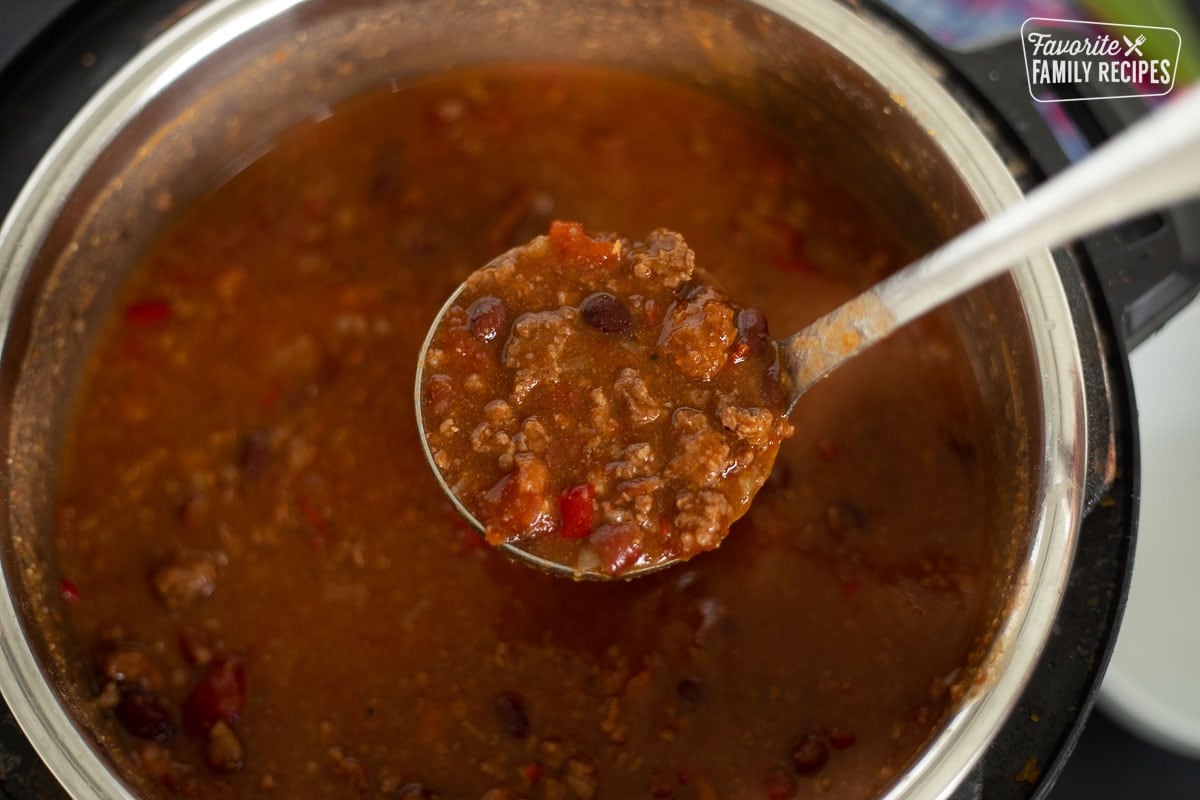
1114, 288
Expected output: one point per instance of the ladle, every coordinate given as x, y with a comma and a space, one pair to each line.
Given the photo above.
1154, 163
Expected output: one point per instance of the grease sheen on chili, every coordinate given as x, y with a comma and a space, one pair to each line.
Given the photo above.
275, 599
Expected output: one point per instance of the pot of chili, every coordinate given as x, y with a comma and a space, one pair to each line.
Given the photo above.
227, 571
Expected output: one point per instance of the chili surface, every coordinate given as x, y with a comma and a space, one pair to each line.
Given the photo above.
277, 600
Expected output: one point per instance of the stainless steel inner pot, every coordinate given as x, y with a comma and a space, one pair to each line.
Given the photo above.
210, 92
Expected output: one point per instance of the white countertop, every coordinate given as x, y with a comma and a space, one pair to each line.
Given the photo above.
1153, 683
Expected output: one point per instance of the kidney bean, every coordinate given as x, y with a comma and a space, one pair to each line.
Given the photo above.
690, 691
486, 317
218, 697
254, 454
510, 711
605, 313
778, 785
810, 754
752, 336
779, 478
439, 394
840, 738
739, 351
145, 715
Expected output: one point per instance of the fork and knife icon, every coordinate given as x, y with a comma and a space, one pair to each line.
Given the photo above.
1134, 46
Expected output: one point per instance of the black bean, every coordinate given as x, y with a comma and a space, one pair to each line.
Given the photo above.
961, 447
690, 691
486, 317
779, 478
752, 325
810, 754
845, 515
606, 313
145, 715
510, 711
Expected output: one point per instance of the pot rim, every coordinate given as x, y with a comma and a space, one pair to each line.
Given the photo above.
890, 60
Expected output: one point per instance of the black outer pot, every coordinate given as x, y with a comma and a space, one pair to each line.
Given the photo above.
1133, 278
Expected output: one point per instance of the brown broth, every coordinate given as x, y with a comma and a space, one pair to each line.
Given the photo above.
252, 398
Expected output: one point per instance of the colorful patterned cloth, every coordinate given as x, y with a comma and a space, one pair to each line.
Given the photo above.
961, 23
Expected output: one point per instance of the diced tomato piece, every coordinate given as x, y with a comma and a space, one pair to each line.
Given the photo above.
513, 507
532, 772
578, 250
840, 738
219, 697
471, 351
69, 592
322, 534
575, 506
790, 253
152, 311
270, 397
620, 546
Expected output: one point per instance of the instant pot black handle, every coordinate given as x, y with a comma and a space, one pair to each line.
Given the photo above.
1148, 268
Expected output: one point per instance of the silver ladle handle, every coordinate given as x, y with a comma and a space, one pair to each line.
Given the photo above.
1153, 164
